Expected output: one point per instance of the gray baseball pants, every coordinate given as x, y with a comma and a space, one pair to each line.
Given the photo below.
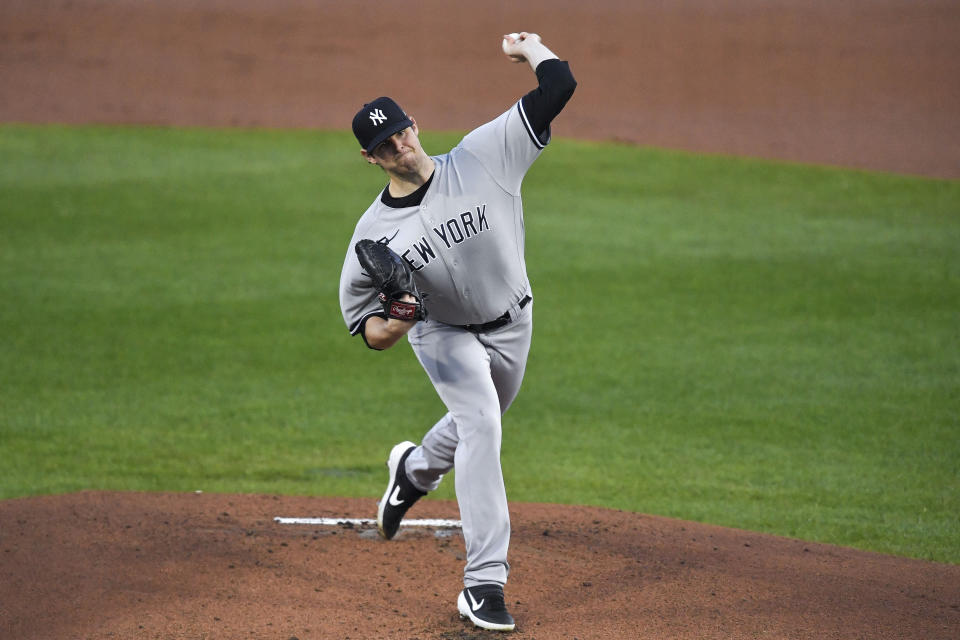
477, 376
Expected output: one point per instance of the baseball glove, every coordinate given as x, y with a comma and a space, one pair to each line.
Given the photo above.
392, 278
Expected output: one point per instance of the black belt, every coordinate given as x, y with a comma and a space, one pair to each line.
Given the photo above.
502, 321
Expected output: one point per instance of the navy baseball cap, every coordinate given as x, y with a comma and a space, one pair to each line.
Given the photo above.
377, 121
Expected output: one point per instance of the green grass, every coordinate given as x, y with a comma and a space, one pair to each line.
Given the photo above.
760, 345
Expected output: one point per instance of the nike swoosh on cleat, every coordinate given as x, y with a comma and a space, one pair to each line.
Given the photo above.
473, 601
394, 497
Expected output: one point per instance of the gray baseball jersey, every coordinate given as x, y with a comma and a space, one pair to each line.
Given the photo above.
465, 241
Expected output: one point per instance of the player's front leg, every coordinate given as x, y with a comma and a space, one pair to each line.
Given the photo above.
433, 459
458, 365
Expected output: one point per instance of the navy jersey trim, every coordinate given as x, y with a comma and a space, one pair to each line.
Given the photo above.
530, 132
410, 200
359, 325
361, 328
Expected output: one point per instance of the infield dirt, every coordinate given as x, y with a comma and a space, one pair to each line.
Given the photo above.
862, 83
128, 565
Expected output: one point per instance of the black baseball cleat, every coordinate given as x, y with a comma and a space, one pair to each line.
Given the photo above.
400, 494
484, 606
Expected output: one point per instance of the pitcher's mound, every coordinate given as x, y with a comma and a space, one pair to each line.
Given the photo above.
137, 565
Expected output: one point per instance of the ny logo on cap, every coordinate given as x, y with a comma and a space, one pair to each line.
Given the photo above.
377, 117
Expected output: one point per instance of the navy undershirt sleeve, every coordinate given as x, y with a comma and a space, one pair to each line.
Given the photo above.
556, 85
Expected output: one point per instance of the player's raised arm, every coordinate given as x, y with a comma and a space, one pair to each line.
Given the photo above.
526, 47
555, 81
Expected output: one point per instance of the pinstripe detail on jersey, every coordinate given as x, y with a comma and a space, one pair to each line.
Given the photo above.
526, 125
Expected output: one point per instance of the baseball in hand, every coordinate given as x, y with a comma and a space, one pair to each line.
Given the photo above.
506, 43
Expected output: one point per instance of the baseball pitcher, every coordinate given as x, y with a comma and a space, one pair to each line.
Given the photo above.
439, 258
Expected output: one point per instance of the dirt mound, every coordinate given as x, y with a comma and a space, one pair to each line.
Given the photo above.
130, 565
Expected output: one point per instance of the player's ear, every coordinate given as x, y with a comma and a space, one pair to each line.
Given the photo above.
414, 125
368, 156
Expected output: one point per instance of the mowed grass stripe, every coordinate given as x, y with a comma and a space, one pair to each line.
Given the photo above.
759, 345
